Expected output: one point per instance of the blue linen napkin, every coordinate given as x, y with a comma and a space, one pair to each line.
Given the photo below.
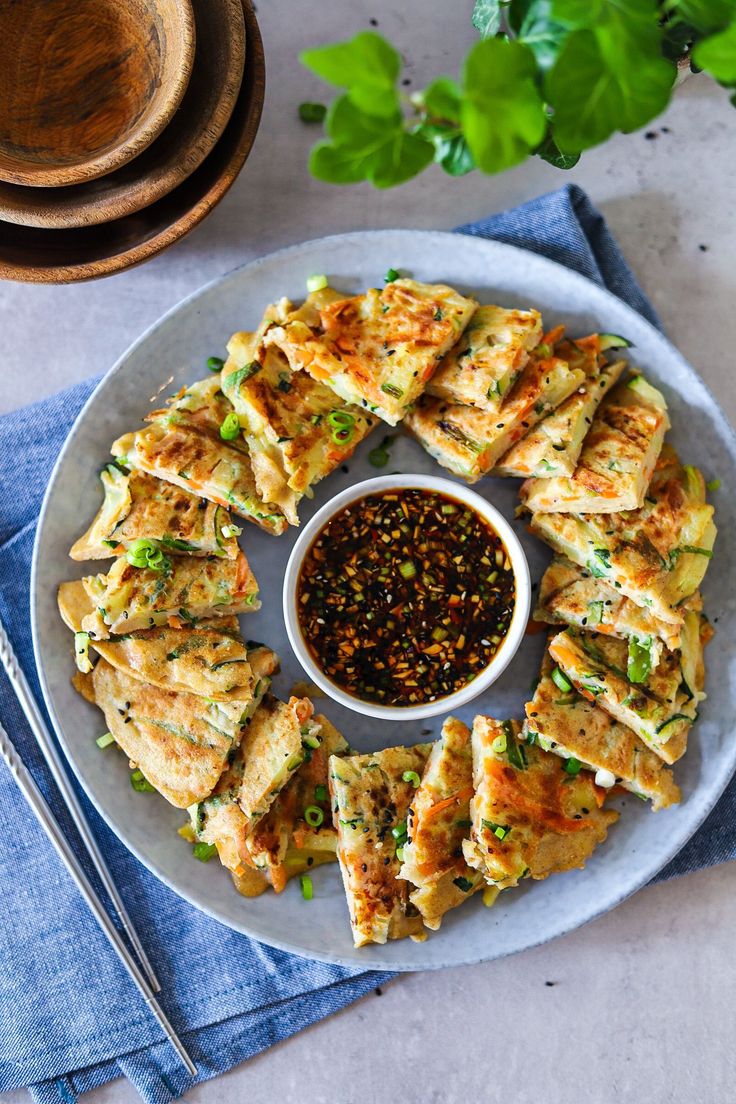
70, 1019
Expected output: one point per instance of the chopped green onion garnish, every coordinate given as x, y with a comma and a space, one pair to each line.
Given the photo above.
231, 531
313, 816
340, 419
215, 364
312, 113
439, 634
204, 851
391, 275
307, 888
311, 742
572, 765
448, 508
316, 282
105, 740
713, 484
81, 652
543, 349
230, 427
378, 457
140, 783
499, 830
147, 553
399, 832
320, 793
400, 854
407, 570
640, 659
411, 776
499, 744
561, 681
595, 614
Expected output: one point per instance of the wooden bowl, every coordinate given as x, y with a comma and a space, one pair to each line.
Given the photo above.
87, 85
181, 148
65, 256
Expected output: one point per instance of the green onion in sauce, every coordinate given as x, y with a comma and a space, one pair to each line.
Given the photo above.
402, 601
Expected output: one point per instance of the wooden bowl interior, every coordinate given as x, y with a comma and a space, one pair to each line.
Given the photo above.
87, 83
61, 256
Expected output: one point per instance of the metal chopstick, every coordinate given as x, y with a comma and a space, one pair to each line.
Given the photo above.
45, 817
55, 764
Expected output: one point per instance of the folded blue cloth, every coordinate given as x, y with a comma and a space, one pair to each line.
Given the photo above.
70, 1019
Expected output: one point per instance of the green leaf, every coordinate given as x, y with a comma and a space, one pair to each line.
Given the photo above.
595, 90
550, 153
677, 38
706, 15
366, 59
717, 55
536, 28
367, 147
487, 17
631, 14
443, 99
503, 114
450, 148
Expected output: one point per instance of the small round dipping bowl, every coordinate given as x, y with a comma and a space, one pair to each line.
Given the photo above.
508, 646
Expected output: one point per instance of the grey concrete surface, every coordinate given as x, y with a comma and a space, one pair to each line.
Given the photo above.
641, 1003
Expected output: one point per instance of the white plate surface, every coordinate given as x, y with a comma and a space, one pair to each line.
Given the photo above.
173, 352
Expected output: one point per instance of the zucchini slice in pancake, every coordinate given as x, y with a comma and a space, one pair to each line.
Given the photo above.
437, 823
378, 350
658, 555
210, 660
179, 742
470, 441
371, 801
617, 460
530, 817
570, 594
138, 505
130, 598
292, 824
553, 447
573, 727
487, 360
297, 430
656, 706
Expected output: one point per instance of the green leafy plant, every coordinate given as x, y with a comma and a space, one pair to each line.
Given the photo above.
548, 77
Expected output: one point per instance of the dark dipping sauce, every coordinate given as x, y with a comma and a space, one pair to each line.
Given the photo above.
404, 597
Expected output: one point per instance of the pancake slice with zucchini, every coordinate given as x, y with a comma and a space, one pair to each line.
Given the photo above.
181, 743
296, 428
531, 817
297, 831
489, 357
274, 746
139, 506
371, 798
659, 705
617, 458
470, 441
210, 659
559, 720
437, 823
553, 447
656, 556
177, 592
377, 350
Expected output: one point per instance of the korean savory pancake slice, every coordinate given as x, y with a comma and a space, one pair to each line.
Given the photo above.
196, 461
137, 506
276, 742
184, 590
378, 350
180, 742
299, 822
570, 594
578, 730
437, 823
487, 360
617, 460
658, 555
530, 817
653, 704
297, 430
209, 659
553, 447
371, 798
470, 441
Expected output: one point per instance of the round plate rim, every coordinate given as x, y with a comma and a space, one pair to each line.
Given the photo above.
646, 871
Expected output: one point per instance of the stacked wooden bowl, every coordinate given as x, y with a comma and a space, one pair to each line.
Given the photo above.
122, 124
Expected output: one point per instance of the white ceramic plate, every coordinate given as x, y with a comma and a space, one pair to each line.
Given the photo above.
173, 352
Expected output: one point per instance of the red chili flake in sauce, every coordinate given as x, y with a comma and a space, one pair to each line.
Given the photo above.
404, 597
